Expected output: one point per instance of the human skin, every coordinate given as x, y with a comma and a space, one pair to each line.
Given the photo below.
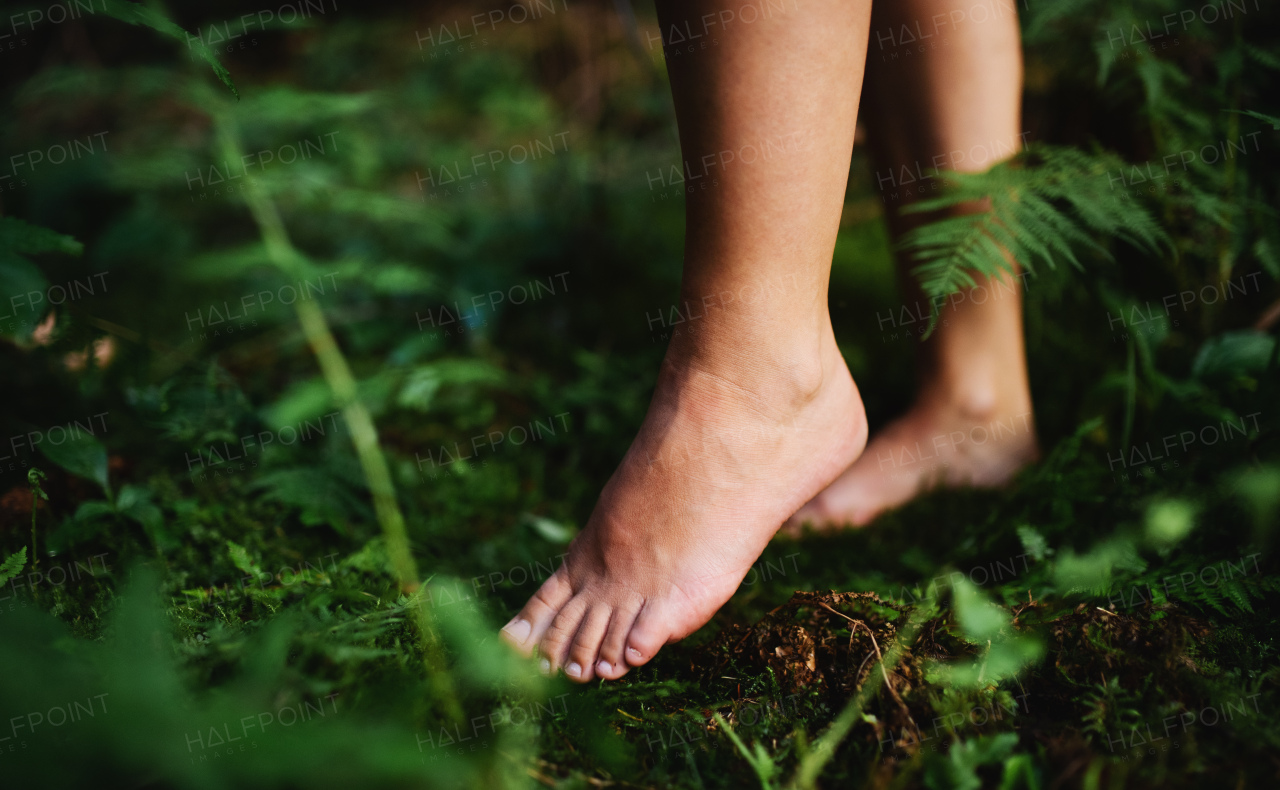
956, 100
754, 413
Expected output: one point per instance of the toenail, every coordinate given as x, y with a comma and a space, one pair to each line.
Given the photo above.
518, 629
545, 666
633, 652
573, 670
604, 668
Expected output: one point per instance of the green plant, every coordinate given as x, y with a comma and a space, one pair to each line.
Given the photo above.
1044, 205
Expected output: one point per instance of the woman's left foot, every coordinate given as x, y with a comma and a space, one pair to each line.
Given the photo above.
940, 442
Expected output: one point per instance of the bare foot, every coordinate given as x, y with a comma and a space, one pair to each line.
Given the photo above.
938, 443
728, 450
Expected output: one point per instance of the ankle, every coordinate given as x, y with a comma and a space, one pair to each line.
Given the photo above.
978, 398
787, 373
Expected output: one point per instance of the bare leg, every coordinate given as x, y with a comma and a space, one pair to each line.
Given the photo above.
957, 103
754, 411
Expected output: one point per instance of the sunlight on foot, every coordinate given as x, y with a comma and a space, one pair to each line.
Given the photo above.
718, 465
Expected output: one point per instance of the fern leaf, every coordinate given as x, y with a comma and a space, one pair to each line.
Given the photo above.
13, 565
1271, 119
20, 237
1047, 205
137, 14
1238, 594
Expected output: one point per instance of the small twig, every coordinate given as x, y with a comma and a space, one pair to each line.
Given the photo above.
864, 661
1268, 318
824, 746
873, 643
883, 671
983, 672
34, 476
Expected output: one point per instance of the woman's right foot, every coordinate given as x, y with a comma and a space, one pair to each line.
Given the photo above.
737, 437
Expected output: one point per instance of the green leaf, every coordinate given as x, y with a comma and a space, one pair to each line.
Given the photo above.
371, 558
980, 619
1034, 543
424, 381
1232, 354
553, 531
1019, 767
19, 276
321, 497
401, 278
134, 502
150, 16
21, 237
241, 558
90, 511
286, 105
1047, 204
481, 661
959, 769
305, 400
1091, 573
1271, 119
81, 455
13, 565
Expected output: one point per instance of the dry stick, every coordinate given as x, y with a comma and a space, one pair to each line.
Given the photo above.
824, 748
132, 335
883, 671
35, 506
336, 371
1268, 318
864, 661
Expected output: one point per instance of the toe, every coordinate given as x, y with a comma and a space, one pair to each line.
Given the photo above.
861, 517
824, 513
646, 638
555, 643
526, 629
612, 663
812, 514
581, 662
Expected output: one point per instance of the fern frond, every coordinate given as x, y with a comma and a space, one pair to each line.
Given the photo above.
1271, 119
1046, 205
1238, 594
155, 18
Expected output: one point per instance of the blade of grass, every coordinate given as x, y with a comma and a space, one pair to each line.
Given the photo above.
1130, 396
760, 762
